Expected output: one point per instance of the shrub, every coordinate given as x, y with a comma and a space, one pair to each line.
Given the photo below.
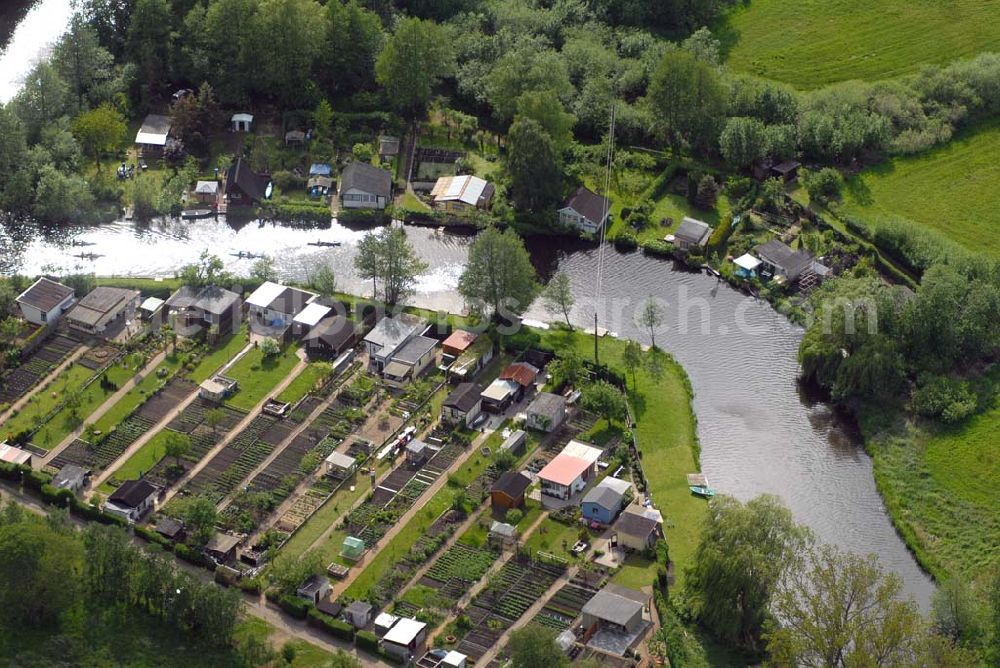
367, 641
514, 516
943, 398
294, 606
824, 184
333, 626
625, 240
189, 555
658, 247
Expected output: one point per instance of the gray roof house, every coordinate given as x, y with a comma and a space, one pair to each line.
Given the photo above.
546, 412
780, 260
103, 309
45, 301
585, 210
690, 233
364, 186
71, 477
388, 336
217, 309
616, 606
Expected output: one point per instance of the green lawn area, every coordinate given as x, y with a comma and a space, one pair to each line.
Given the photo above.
943, 489
951, 189
221, 353
414, 529
550, 536
670, 205
667, 440
329, 512
140, 462
258, 375
66, 419
305, 382
636, 573
812, 43
138, 394
413, 203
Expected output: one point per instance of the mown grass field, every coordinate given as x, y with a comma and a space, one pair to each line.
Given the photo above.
258, 375
943, 487
219, 355
141, 462
138, 394
305, 382
812, 43
951, 189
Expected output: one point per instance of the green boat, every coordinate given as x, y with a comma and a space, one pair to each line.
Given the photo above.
706, 492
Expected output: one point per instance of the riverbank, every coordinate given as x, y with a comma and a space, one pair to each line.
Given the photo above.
941, 486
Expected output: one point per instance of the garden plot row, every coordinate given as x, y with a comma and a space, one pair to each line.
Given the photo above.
166, 471
391, 582
372, 519
234, 462
509, 594
580, 422
19, 382
304, 409
196, 413
458, 567
304, 506
107, 449
564, 606
167, 399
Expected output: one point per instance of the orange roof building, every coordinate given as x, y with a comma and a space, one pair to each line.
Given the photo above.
458, 342
521, 373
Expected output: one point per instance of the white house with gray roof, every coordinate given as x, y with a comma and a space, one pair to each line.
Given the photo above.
692, 233
364, 186
388, 336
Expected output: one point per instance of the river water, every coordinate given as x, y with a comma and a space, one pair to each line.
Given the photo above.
758, 431
44, 23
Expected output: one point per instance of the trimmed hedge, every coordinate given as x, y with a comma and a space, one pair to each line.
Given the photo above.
362, 217
335, 627
293, 605
367, 641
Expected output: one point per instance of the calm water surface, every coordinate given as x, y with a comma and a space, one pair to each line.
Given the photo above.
44, 23
758, 432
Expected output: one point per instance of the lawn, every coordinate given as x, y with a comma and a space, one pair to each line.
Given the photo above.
331, 511
637, 572
943, 489
66, 420
813, 43
219, 355
305, 382
667, 440
951, 189
138, 394
142, 461
258, 375
550, 536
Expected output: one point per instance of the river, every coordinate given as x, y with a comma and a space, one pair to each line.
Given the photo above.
758, 431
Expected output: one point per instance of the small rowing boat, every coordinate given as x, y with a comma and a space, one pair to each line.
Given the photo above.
704, 492
191, 214
324, 243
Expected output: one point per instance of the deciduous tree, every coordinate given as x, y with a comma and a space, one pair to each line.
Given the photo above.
535, 647
688, 101
414, 59
605, 399
100, 131
632, 359
558, 296
389, 258
499, 279
533, 164
651, 317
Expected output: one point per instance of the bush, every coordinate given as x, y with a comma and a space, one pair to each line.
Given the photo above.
943, 398
625, 240
367, 641
362, 217
823, 185
296, 607
333, 626
514, 516
189, 555
658, 247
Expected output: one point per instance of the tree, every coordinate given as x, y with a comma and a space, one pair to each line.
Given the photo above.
354, 37
288, 37
323, 280
839, 609
743, 553
177, 445
545, 108
42, 99
228, 47
269, 347
199, 515
499, 279
214, 418
38, 567
651, 317
568, 367
388, 257
558, 296
288, 572
656, 363
743, 141
263, 269
632, 359
823, 185
535, 647
14, 146
81, 60
535, 174
323, 114
688, 101
414, 59
605, 399
956, 612
101, 130
150, 46
60, 197
209, 270
526, 68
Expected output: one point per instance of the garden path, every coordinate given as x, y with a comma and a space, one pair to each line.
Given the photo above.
99, 412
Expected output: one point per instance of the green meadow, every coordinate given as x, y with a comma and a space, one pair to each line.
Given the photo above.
812, 43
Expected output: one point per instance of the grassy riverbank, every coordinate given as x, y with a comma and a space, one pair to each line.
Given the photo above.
667, 437
941, 486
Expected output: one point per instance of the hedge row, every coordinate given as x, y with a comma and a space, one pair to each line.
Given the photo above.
335, 627
362, 217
